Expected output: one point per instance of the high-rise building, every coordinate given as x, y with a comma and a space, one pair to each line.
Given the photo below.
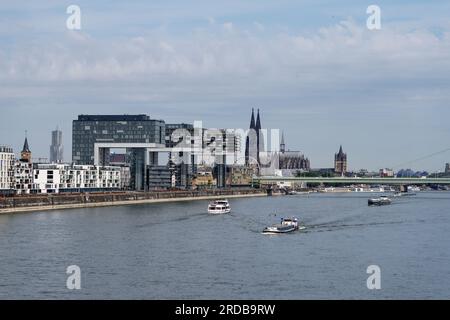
93, 136
56, 148
340, 162
181, 167
7, 159
447, 168
254, 143
90, 129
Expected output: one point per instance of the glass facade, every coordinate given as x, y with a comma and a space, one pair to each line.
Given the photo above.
89, 129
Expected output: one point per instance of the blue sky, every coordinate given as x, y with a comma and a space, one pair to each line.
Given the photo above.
312, 67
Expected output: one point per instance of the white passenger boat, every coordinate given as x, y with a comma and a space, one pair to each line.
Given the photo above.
286, 225
219, 207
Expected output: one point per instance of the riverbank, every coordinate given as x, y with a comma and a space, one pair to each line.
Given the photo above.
88, 200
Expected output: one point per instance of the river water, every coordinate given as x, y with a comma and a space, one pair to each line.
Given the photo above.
178, 251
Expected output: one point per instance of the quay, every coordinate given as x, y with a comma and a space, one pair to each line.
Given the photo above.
30, 203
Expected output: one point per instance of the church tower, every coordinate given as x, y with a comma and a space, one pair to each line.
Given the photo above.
25, 154
282, 144
340, 162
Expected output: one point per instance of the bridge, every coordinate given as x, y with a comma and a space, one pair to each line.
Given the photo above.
353, 180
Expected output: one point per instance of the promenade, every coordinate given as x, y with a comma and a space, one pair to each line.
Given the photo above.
30, 203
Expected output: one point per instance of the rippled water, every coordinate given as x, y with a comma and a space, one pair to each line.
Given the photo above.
178, 251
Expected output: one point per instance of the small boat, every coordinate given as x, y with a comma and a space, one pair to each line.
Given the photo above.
381, 201
286, 225
219, 207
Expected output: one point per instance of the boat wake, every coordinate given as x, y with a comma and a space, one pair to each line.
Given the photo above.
327, 227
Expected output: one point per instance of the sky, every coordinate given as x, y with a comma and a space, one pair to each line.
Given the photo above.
313, 68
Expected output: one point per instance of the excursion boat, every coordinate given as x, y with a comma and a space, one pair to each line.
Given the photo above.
219, 207
381, 201
286, 225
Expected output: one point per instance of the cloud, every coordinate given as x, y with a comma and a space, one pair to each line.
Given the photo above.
346, 47
339, 76
228, 26
259, 26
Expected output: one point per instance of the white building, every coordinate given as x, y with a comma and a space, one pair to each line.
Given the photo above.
7, 159
55, 178
23, 177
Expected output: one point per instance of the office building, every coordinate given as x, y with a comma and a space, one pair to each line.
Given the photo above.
94, 136
182, 165
56, 148
159, 177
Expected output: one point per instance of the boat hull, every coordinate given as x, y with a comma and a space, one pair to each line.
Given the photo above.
225, 211
275, 230
377, 202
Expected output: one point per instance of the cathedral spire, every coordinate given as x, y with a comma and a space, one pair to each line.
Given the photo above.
258, 122
252, 121
282, 144
26, 148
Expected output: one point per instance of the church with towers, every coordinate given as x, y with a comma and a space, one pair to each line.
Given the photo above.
284, 159
254, 143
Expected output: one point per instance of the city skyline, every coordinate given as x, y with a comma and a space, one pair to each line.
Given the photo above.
282, 146
313, 69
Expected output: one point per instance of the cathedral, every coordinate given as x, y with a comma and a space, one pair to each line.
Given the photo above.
292, 160
254, 143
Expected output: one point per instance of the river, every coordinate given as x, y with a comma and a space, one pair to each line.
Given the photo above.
178, 251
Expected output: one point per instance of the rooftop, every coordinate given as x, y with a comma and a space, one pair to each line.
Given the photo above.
110, 117
6, 149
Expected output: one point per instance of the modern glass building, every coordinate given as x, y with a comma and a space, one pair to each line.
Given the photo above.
89, 129
184, 171
132, 132
56, 148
